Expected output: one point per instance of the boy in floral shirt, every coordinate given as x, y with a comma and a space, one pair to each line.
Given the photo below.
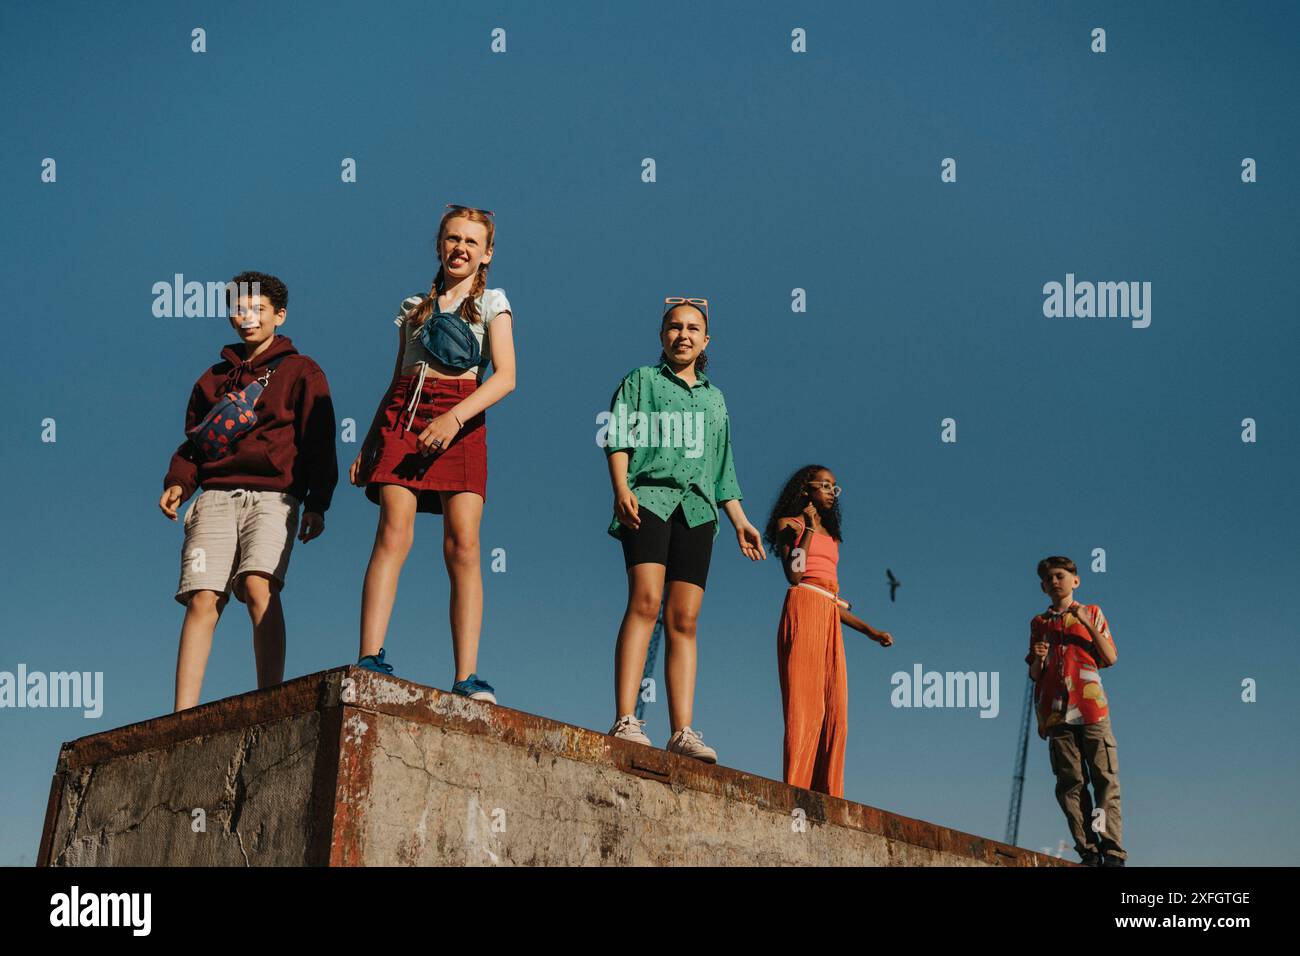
1068, 644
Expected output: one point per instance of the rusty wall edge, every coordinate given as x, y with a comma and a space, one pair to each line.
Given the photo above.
365, 690
342, 780
314, 692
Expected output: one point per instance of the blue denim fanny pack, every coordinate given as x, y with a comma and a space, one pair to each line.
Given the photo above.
449, 339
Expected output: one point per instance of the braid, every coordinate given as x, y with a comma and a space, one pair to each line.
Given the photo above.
423, 310
469, 308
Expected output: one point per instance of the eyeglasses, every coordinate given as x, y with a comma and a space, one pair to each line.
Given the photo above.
827, 486
703, 304
452, 205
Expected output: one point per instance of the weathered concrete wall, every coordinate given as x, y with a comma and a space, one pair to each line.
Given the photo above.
350, 768
128, 797
252, 786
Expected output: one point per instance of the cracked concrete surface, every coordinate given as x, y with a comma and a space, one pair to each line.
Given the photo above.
253, 786
398, 774
438, 797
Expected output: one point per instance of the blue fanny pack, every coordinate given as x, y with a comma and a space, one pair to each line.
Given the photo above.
449, 339
231, 418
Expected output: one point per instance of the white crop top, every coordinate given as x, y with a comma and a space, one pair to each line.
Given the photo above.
490, 304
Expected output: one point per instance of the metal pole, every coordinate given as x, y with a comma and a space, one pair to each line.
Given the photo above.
1018, 777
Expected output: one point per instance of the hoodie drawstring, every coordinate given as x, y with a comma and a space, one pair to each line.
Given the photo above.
232, 378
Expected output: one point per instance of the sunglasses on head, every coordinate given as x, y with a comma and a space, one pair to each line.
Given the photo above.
701, 304
458, 208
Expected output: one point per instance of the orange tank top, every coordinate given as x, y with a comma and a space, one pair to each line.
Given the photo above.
823, 557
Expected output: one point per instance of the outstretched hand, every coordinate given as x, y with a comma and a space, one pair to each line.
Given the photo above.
750, 541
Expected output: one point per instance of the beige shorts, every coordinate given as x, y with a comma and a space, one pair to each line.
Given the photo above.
231, 533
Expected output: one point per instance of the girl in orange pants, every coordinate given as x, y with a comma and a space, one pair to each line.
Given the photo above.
804, 528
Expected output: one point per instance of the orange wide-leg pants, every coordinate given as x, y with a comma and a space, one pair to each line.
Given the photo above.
814, 690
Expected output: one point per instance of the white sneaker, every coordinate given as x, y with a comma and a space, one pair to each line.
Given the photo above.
628, 727
690, 744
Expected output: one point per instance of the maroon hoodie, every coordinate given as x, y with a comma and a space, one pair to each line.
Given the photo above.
290, 449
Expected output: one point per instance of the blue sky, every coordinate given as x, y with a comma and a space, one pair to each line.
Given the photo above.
775, 171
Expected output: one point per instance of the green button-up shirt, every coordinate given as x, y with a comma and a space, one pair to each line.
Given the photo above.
678, 439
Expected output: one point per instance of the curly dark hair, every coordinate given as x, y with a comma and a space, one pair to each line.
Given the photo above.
702, 360
791, 502
267, 285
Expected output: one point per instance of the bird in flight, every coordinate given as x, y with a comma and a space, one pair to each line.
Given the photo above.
893, 583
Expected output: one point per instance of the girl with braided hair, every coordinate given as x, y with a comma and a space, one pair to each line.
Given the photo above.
426, 450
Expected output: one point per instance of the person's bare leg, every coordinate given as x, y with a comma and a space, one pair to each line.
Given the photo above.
462, 511
201, 616
645, 587
681, 611
393, 540
262, 596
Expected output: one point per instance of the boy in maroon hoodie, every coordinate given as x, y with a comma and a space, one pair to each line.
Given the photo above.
239, 531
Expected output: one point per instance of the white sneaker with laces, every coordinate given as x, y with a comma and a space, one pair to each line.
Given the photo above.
628, 727
690, 744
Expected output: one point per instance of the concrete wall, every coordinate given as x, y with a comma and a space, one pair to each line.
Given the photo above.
351, 768
128, 797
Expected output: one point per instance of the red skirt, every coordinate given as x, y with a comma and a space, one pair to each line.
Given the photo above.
396, 459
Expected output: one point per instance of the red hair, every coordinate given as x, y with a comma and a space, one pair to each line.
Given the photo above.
469, 306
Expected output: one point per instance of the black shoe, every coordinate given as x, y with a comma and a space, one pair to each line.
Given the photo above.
1090, 858
1112, 861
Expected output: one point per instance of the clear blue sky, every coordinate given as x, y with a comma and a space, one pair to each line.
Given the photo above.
775, 171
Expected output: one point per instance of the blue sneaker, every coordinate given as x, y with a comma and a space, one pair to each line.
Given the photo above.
474, 689
375, 662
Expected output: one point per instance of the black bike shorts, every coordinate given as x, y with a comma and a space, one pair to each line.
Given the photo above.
683, 551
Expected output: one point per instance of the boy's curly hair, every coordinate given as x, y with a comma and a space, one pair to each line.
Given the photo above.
267, 285
790, 503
